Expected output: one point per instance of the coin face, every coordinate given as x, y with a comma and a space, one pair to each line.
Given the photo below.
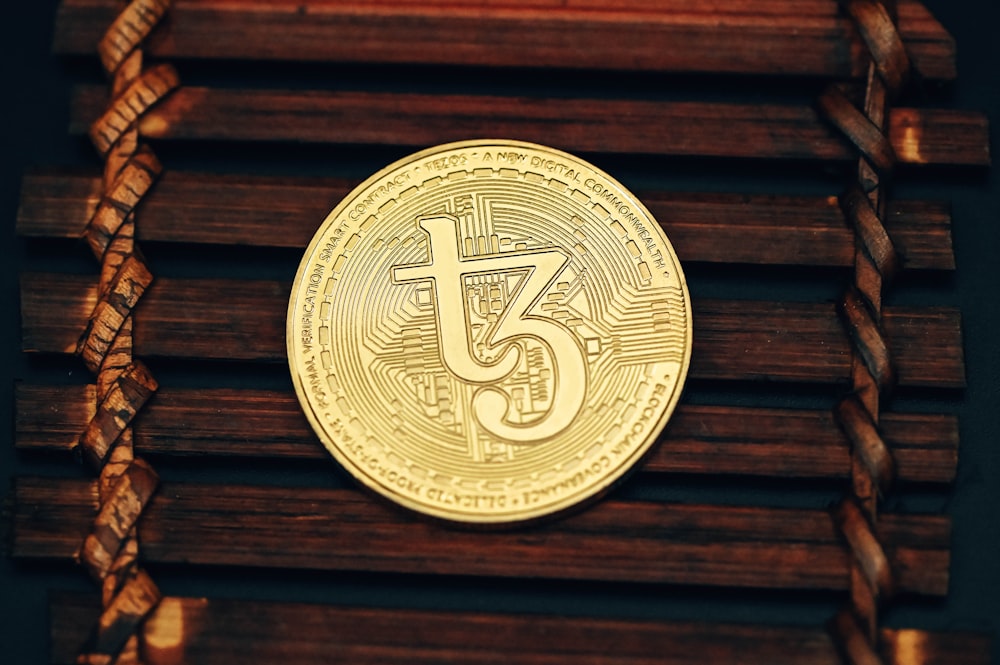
489, 331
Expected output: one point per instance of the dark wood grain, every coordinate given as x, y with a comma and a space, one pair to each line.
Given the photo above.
225, 631
615, 541
710, 440
260, 211
734, 340
704, 129
252, 530
670, 36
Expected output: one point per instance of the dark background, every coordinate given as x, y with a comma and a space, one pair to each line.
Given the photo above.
34, 112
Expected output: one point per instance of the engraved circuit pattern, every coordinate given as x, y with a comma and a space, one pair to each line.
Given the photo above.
531, 370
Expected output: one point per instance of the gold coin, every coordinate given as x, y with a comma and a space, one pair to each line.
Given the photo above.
489, 331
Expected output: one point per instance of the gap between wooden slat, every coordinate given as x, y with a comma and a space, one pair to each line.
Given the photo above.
283, 212
613, 541
734, 340
925, 136
735, 37
711, 440
222, 631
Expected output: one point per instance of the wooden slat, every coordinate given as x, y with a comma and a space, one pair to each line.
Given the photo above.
222, 631
737, 36
325, 529
587, 125
281, 212
734, 340
709, 440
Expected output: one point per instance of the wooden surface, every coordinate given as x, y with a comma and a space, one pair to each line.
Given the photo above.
734, 340
744, 37
261, 211
764, 348
613, 541
705, 129
225, 631
699, 440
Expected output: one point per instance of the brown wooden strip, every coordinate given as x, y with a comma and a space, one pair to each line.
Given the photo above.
214, 319
901, 645
698, 440
671, 36
734, 340
225, 631
797, 443
586, 125
281, 212
919, 136
323, 529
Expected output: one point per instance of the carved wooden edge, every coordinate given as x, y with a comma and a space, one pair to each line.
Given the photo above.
864, 203
110, 551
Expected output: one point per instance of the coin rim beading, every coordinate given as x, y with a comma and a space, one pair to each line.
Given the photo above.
591, 492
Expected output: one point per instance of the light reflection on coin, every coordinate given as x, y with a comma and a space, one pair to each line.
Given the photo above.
489, 331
